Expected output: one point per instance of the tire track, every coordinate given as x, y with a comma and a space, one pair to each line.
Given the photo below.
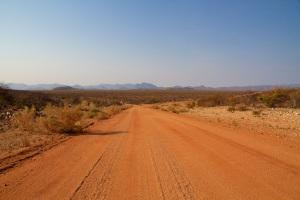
172, 179
228, 163
91, 170
162, 156
97, 183
270, 159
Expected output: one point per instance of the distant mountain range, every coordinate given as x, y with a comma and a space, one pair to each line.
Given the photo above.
240, 88
146, 86
129, 86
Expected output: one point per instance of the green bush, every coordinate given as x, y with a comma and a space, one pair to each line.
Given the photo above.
276, 98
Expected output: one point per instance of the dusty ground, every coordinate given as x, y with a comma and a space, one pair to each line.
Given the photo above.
150, 154
14, 141
281, 122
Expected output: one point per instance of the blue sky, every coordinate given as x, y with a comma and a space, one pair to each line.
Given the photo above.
166, 42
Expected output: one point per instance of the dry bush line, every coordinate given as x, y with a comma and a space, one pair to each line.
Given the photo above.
99, 186
174, 184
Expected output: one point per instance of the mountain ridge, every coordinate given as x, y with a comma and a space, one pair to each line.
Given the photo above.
143, 85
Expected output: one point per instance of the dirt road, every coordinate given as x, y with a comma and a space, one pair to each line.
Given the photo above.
149, 154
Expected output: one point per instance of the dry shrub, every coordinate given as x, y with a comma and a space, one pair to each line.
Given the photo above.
108, 112
102, 115
212, 100
89, 108
249, 99
66, 119
93, 113
114, 109
177, 108
172, 109
182, 109
231, 109
5, 97
295, 99
275, 98
85, 105
191, 104
241, 107
256, 112
25, 119
156, 107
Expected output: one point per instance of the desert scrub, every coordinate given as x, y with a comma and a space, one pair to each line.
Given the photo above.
231, 109
177, 108
242, 107
89, 109
172, 109
275, 98
66, 119
156, 107
93, 113
25, 119
212, 100
257, 112
114, 109
191, 104
295, 99
102, 115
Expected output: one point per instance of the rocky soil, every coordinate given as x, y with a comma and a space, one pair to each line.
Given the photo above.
280, 121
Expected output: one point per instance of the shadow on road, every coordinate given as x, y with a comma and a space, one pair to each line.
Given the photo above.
104, 133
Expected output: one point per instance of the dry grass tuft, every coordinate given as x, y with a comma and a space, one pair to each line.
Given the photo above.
239, 107
67, 119
257, 112
175, 107
110, 111
25, 119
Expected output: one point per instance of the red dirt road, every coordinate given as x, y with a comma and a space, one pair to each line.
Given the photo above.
149, 154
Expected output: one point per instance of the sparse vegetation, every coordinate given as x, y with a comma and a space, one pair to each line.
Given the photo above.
276, 98
212, 100
30, 126
66, 119
231, 109
25, 119
39, 99
175, 107
26, 114
256, 112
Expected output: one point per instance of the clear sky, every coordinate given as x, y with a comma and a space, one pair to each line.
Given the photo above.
165, 42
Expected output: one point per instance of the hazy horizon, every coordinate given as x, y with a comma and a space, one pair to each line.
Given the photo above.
187, 43
162, 86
